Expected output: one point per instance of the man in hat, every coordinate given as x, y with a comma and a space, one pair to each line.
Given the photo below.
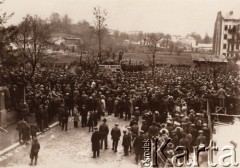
20, 126
126, 142
65, 116
134, 130
201, 139
95, 139
104, 130
84, 114
34, 151
115, 133
138, 147
153, 130
33, 129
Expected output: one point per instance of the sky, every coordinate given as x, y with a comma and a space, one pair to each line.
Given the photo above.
178, 17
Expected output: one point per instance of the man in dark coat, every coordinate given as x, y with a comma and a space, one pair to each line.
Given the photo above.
26, 133
34, 151
65, 120
33, 130
84, 114
201, 139
153, 130
95, 139
115, 133
138, 147
20, 126
104, 130
126, 142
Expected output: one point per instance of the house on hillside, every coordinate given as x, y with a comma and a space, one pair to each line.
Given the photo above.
188, 42
70, 43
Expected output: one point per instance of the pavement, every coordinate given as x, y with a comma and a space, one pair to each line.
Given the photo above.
70, 148
12, 138
8, 138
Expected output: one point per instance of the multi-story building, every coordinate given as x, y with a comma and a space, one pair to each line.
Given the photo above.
226, 39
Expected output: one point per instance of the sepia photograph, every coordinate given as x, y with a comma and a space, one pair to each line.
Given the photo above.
119, 83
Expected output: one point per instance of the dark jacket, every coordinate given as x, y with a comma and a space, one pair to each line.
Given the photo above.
126, 140
103, 129
115, 133
95, 139
138, 144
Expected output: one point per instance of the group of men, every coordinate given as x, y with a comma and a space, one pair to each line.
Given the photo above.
173, 100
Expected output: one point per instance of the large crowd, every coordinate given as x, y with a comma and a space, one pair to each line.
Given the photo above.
172, 104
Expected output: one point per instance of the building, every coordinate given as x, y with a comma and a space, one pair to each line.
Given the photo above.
188, 42
226, 39
203, 48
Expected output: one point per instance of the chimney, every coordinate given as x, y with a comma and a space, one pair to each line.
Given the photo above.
231, 13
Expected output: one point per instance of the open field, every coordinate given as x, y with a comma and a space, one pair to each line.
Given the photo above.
183, 59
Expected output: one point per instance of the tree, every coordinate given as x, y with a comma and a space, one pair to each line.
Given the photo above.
167, 41
4, 17
4, 32
100, 25
197, 37
31, 39
55, 21
66, 23
207, 39
152, 41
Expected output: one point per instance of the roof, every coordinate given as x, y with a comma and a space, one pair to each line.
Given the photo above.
208, 58
230, 16
205, 45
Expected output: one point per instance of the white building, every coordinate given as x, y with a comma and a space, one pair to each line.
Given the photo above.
187, 41
226, 38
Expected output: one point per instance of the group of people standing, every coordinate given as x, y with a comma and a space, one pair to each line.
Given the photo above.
173, 102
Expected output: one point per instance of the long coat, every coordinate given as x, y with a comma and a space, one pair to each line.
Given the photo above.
96, 136
115, 133
126, 140
138, 144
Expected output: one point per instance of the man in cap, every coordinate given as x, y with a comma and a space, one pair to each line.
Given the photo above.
33, 129
104, 130
84, 113
65, 116
20, 126
126, 142
95, 139
201, 139
115, 133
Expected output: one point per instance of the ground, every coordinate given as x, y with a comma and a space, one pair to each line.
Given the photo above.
70, 148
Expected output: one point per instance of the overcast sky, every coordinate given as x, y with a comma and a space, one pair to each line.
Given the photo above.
168, 16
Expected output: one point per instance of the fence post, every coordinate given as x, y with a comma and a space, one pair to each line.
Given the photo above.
210, 124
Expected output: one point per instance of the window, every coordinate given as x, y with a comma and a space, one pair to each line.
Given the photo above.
225, 36
224, 46
226, 27
237, 46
